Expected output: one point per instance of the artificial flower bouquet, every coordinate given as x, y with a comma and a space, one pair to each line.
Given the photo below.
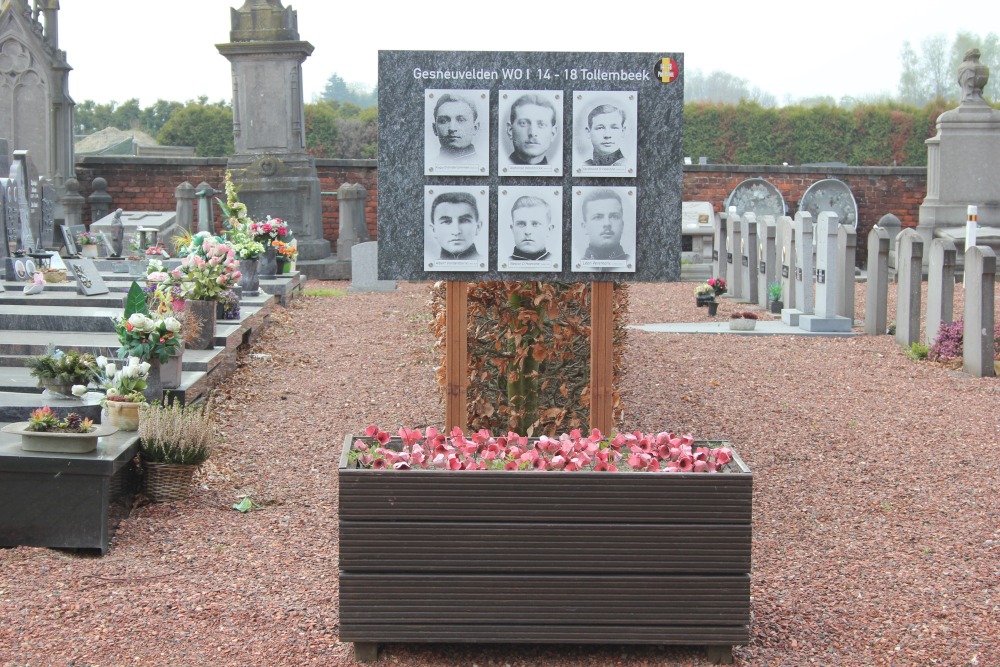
704, 290
286, 250
718, 285
123, 384
89, 238
270, 229
147, 336
209, 269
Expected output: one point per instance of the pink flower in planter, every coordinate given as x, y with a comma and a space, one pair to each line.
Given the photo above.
539, 463
723, 455
605, 466
401, 465
378, 464
685, 463
492, 452
700, 466
510, 465
417, 456
360, 445
558, 462
619, 441
365, 459
410, 436
654, 465
673, 467
596, 435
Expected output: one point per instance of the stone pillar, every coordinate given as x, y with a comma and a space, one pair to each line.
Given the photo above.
72, 203
786, 261
803, 234
734, 277
893, 227
205, 192
99, 199
275, 174
184, 194
748, 257
877, 288
719, 238
766, 273
977, 340
828, 281
352, 200
909, 271
847, 250
940, 287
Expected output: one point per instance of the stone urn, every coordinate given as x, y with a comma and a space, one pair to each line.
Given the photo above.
268, 262
249, 276
123, 414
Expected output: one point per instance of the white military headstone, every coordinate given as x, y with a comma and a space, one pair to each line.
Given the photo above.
940, 287
733, 273
748, 257
720, 236
977, 341
908, 273
825, 317
847, 250
766, 270
804, 298
786, 260
877, 287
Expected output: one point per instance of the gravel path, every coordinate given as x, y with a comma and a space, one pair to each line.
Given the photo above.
876, 538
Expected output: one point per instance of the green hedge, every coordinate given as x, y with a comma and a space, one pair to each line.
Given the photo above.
747, 133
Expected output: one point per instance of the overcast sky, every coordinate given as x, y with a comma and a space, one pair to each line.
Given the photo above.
120, 49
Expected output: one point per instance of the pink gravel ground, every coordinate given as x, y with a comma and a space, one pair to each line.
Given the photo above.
875, 511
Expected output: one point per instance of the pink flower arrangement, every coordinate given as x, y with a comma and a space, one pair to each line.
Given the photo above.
270, 229
209, 271
573, 451
718, 285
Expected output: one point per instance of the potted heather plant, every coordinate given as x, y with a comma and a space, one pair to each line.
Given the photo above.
174, 442
745, 321
47, 432
544, 520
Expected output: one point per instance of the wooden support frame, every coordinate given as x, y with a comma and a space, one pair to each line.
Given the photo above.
456, 354
602, 356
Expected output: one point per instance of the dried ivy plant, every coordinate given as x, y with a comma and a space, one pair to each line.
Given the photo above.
529, 354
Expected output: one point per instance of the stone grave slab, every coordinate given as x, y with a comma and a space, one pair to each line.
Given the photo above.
696, 221
88, 278
164, 224
364, 270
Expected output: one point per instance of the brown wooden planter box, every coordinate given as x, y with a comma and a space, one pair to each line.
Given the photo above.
544, 557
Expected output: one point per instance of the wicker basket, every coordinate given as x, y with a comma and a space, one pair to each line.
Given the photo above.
168, 481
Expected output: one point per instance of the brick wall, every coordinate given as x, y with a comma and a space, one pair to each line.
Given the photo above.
149, 183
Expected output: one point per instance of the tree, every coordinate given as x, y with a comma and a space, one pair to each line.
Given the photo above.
341, 130
207, 127
338, 90
910, 87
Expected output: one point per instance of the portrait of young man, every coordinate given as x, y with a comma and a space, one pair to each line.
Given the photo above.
604, 229
530, 239
530, 139
605, 140
456, 142
455, 238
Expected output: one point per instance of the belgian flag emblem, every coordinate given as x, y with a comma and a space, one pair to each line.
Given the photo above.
667, 70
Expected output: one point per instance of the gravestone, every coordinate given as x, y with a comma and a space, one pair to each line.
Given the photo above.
756, 195
734, 276
48, 213
877, 287
69, 233
12, 219
977, 341
940, 287
847, 250
748, 257
364, 270
18, 175
163, 223
72, 203
786, 262
833, 195
766, 270
88, 278
353, 228
4, 239
910, 258
827, 280
696, 223
720, 237
803, 235
184, 194
274, 172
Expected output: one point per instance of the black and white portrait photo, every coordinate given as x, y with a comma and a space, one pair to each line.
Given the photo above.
603, 234
530, 133
604, 133
529, 228
456, 228
457, 134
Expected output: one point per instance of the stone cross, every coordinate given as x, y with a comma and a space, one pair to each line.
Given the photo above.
719, 238
827, 279
908, 272
748, 257
766, 273
847, 249
877, 288
803, 233
977, 340
733, 274
940, 287
786, 262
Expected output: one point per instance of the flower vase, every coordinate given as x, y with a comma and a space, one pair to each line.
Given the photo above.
171, 369
59, 391
154, 383
249, 278
89, 251
282, 265
202, 312
713, 308
124, 415
268, 264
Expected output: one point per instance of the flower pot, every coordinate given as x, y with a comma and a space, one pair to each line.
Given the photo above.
282, 265
89, 251
170, 371
249, 279
203, 312
124, 415
776, 307
64, 443
268, 262
742, 324
168, 481
713, 308
702, 301
548, 549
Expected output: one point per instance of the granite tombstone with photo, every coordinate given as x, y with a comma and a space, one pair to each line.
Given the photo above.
529, 229
457, 138
529, 133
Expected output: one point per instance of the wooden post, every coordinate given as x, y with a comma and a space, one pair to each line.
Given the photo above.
601, 355
456, 354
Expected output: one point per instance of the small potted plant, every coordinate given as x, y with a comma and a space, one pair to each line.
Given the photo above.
174, 441
774, 297
285, 255
745, 321
45, 431
58, 371
87, 241
123, 389
703, 295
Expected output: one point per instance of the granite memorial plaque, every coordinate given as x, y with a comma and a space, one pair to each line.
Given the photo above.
88, 278
647, 87
69, 238
758, 196
832, 195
